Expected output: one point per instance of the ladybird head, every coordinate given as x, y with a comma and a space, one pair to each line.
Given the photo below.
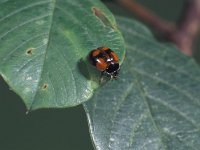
113, 70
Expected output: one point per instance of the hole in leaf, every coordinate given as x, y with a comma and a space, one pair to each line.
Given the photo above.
102, 17
44, 86
29, 51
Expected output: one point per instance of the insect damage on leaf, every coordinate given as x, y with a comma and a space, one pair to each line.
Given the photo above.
45, 86
29, 51
102, 17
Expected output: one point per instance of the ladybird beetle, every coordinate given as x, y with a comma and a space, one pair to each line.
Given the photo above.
105, 60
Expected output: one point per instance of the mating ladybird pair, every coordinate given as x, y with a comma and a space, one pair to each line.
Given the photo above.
105, 60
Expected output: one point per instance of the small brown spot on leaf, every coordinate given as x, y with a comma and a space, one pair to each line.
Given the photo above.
29, 51
45, 86
102, 17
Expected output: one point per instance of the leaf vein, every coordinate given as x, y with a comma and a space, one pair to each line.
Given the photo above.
182, 141
23, 8
167, 105
22, 24
148, 55
127, 92
52, 15
182, 91
19, 46
149, 110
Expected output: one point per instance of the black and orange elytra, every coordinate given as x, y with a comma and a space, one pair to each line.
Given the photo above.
105, 60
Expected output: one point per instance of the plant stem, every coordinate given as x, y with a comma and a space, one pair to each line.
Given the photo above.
183, 35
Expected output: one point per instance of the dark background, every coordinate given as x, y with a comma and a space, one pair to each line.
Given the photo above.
47, 129
60, 129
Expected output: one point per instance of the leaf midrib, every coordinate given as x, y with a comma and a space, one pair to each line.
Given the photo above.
45, 54
148, 109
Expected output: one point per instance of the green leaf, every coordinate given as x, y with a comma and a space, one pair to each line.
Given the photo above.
44, 46
154, 105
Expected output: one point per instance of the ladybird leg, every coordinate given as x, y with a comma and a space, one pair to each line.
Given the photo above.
111, 78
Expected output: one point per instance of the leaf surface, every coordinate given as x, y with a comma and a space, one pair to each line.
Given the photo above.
154, 105
44, 45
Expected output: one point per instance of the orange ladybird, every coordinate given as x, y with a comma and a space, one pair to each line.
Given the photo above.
105, 60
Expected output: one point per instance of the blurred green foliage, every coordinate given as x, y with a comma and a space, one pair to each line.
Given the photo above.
169, 10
